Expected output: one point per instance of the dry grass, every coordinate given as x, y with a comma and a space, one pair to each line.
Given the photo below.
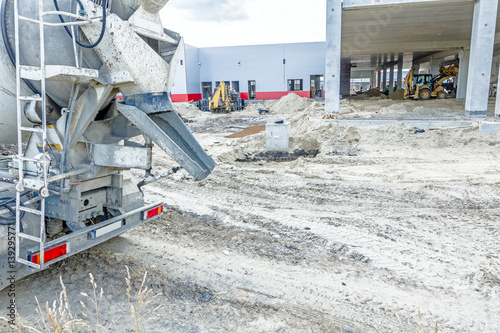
58, 317
143, 306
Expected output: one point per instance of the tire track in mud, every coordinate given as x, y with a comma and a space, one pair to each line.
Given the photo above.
378, 222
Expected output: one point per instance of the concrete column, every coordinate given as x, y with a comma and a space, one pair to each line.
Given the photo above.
400, 71
391, 79
333, 48
481, 57
427, 68
463, 74
435, 65
497, 102
495, 68
345, 77
384, 78
373, 80
417, 69
379, 78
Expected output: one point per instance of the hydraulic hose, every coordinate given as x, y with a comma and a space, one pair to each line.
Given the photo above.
103, 29
5, 202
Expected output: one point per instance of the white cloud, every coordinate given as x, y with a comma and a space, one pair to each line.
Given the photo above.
211, 11
206, 23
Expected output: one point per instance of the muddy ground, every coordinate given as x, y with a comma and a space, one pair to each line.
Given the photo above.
385, 222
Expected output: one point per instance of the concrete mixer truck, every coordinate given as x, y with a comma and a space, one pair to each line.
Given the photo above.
67, 187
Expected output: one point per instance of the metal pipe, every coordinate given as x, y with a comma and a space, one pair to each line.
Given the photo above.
151, 178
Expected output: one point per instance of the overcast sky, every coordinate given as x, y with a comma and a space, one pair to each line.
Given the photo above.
205, 23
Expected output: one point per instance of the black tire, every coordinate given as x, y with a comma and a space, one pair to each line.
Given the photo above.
424, 94
442, 94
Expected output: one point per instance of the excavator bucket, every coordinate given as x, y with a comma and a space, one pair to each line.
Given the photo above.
167, 130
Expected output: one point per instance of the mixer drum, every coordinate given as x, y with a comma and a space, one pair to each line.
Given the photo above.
58, 51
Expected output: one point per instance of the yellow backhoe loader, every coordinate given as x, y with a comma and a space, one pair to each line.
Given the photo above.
225, 99
425, 86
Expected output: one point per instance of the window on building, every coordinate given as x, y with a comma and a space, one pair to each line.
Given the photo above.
252, 89
295, 85
317, 86
206, 90
235, 85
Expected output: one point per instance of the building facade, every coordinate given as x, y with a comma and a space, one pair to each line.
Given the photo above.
259, 72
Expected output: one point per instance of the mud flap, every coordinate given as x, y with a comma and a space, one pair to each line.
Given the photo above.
167, 130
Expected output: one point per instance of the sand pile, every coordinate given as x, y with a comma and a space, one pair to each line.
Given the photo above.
397, 95
186, 109
396, 110
373, 93
369, 94
310, 131
252, 107
290, 104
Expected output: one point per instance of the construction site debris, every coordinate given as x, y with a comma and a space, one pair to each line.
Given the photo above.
277, 156
331, 116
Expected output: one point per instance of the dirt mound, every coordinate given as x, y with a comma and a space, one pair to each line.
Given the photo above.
186, 109
291, 103
397, 95
372, 93
254, 107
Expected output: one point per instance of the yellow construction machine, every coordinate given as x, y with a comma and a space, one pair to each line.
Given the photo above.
225, 99
425, 86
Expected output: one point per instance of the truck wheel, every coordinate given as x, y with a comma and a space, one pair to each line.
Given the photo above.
442, 94
424, 94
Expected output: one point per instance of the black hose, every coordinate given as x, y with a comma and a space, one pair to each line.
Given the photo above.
8, 47
80, 3
103, 29
5, 202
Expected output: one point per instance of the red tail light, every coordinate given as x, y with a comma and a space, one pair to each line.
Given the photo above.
152, 212
50, 254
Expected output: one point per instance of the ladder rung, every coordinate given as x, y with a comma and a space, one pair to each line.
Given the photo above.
31, 129
29, 237
59, 73
28, 263
30, 72
27, 19
70, 74
30, 98
30, 210
27, 159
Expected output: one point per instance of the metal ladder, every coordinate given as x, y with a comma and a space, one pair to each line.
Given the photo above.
42, 73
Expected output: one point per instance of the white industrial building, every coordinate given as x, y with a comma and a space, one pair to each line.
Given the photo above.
257, 71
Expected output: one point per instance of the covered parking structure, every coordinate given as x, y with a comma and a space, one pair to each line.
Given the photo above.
382, 36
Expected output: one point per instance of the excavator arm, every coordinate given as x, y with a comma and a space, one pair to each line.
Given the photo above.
444, 74
220, 99
409, 82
